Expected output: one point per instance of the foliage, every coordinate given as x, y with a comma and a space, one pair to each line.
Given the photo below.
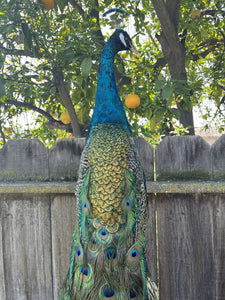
49, 62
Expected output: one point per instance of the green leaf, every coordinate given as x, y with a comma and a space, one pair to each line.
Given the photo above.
1, 62
2, 87
159, 83
83, 115
148, 113
86, 66
62, 4
187, 106
7, 29
27, 37
167, 91
176, 113
69, 54
27, 92
146, 4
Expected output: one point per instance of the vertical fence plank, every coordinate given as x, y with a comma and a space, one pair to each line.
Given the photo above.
24, 159
63, 223
186, 267
64, 159
219, 242
218, 159
27, 247
151, 247
145, 151
2, 276
183, 158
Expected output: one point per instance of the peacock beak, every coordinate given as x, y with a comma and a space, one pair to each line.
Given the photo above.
134, 50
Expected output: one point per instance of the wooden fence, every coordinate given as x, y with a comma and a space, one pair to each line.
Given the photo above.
186, 232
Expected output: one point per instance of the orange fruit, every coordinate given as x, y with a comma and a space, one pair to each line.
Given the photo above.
65, 117
69, 135
9, 130
48, 4
132, 101
135, 57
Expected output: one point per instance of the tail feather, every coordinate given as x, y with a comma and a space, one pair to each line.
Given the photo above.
108, 251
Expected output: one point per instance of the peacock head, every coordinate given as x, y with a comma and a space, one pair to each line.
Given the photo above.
123, 41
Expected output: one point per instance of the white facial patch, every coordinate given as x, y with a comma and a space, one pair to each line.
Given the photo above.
121, 36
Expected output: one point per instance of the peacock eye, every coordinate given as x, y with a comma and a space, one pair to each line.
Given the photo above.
134, 253
108, 292
134, 291
128, 203
111, 254
103, 232
85, 271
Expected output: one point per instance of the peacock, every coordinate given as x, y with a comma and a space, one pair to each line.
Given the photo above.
108, 250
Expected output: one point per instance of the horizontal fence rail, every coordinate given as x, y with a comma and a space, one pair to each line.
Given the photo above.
162, 187
186, 223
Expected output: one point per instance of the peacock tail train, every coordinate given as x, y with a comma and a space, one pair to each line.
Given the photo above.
108, 251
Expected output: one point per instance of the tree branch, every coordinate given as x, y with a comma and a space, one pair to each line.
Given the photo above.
54, 123
98, 34
160, 63
168, 27
78, 7
212, 45
16, 52
209, 12
174, 52
173, 8
61, 86
208, 42
30, 106
2, 133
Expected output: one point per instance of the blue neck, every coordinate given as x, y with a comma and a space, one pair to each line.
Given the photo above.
108, 106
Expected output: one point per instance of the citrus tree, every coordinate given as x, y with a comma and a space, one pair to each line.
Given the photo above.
46, 59
49, 59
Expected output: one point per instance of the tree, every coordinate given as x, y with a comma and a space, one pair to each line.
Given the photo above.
49, 60
191, 37
186, 29
175, 54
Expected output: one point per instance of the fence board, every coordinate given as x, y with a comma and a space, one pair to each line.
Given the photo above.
63, 224
218, 158
24, 159
219, 242
145, 151
26, 248
185, 228
151, 247
64, 159
183, 158
2, 274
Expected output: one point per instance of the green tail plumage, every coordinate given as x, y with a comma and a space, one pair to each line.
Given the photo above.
108, 251
107, 257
